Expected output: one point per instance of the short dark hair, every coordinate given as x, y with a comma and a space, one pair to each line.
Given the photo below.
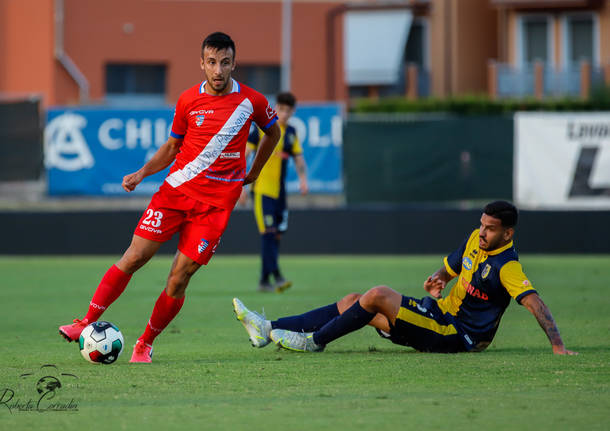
218, 41
286, 98
504, 211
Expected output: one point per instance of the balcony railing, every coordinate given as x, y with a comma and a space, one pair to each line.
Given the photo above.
540, 80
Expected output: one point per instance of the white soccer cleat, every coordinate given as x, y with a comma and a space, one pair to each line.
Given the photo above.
257, 326
296, 341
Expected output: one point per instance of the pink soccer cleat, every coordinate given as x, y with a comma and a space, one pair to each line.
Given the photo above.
142, 353
72, 332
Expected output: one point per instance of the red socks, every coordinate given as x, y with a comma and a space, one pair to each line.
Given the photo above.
110, 288
166, 308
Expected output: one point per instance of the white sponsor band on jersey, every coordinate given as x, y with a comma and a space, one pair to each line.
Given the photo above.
214, 147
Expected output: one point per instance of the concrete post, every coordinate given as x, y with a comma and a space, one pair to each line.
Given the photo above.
538, 79
585, 79
607, 74
412, 81
492, 79
373, 91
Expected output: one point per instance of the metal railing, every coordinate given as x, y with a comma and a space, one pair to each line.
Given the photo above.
541, 80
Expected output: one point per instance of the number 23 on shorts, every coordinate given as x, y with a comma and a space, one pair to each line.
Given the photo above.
153, 218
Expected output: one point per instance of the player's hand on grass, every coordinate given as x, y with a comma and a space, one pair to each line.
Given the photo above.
434, 286
131, 181
561, 350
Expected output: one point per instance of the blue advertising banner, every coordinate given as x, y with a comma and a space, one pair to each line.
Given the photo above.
89, 150
320, 131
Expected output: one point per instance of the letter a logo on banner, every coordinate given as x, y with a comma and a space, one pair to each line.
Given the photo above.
64, 144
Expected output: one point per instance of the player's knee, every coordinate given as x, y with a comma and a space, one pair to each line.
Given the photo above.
352, 298
179, 277
133, 260
347, 301
375, 296
176, 284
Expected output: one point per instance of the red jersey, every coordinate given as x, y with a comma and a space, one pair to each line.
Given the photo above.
211, 164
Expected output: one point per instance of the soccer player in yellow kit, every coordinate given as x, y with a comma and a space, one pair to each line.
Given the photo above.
489, 275
269, 193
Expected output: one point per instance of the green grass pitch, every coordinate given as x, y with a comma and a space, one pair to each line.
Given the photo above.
206, 375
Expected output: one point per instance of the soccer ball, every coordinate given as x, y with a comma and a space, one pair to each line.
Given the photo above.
101, 343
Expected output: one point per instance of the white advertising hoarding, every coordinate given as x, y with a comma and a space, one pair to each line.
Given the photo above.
562, 160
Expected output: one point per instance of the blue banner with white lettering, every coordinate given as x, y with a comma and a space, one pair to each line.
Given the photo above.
320, 131
88, 151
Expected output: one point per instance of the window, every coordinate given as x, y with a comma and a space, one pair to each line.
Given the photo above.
415, 51
135, 82
375, 60
580, 39
535, 41
265, 79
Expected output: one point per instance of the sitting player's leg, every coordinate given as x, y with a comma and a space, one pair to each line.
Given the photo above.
113, 284
259, 328
378, 306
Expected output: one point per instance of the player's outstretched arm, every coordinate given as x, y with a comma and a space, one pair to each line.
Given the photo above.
541, 312
164, 156
265, 148
435, 284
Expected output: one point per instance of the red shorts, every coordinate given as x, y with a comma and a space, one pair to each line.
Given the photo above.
200, 225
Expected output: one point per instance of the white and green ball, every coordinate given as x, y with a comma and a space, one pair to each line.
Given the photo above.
101, 342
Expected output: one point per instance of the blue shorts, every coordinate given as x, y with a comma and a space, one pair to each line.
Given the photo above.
271, 215
422, 325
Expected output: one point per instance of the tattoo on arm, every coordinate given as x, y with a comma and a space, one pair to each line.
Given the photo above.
545, 319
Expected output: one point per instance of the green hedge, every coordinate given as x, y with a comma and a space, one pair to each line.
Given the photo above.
482, 104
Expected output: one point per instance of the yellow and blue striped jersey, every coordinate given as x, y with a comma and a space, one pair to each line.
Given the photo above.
486, 282
271, 180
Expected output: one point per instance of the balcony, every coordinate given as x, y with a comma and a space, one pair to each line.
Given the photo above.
540, 80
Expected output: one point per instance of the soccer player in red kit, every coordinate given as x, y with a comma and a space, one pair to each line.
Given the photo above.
208, 143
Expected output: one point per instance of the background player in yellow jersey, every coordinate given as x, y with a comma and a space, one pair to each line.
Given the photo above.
269, 193
489, 275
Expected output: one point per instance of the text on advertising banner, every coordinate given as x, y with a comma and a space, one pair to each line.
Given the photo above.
89, 150
562, 160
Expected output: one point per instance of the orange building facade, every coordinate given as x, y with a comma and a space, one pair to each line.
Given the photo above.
88, 51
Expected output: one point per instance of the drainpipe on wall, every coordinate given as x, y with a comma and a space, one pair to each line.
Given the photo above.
64, 59
286, 44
